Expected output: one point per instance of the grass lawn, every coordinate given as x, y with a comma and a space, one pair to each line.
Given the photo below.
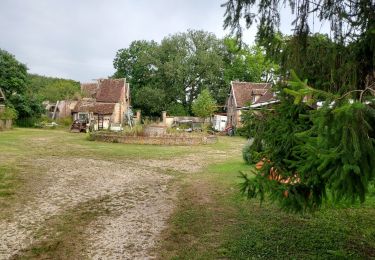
211, 219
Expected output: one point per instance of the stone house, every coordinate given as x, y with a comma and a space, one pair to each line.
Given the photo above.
106, 103
244, 95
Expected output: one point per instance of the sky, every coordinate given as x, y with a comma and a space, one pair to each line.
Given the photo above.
78, 39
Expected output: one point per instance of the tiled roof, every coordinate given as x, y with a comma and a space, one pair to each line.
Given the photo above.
266, 97
110, 90
96, 108
104, 108
244, 91
89, 89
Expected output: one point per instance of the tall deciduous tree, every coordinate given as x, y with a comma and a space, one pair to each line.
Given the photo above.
185, 63
138, 63
13, 75
14, 81
191, 62
246, 63
352, 26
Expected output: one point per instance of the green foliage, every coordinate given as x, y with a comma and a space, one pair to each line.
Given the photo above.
151, 100
53, 89
26, 106
8, 113
139, 65
28, 122
177, 109
341, 63
314, 152
204, 106
192, 61
184, 64
66, 121
13, 75
247, 63
252, 152
14, 82
338, 151
323, 151
59, 90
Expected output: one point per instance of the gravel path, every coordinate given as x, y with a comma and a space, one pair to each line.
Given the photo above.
140, 203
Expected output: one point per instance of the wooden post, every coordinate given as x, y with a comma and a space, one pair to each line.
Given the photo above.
164, 117
138, 117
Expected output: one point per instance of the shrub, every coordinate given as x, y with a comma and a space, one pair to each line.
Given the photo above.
8, 113
66, 121
177, 109
136, 130
27, 122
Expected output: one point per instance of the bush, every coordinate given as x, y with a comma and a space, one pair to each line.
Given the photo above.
177, 109
8, 113
66, 121
27, 122
136, 130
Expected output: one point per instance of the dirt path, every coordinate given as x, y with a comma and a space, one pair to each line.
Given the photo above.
140, 201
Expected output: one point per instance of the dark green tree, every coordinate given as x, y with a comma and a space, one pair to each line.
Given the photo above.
13, 75
308, 153
139, 64
184, 64
352, 26
14, 82
191, 62
325, 150
151, 100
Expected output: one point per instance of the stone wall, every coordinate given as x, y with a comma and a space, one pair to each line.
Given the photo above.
5, 124
158, 140
155, 130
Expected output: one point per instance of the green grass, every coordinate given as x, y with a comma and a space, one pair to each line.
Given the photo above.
7, 181
219, 222
212, 219
56, 142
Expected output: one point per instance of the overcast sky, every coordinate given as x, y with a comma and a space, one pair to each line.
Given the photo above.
78, 39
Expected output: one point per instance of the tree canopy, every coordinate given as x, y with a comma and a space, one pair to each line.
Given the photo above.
14, 81
352, 27
53, 89
13, 75
184, 64
308, 152
25, 92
